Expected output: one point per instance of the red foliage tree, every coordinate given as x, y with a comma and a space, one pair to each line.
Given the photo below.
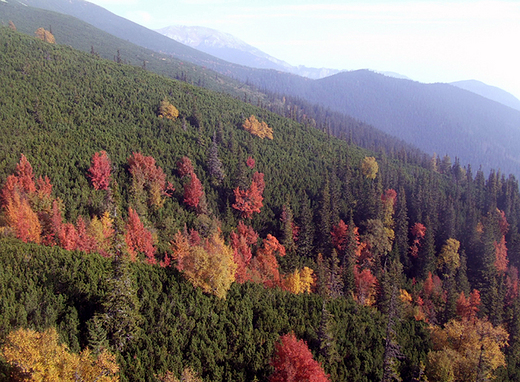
241, 243
138, 239
339, 236
389, 197
100, 170
68, 236
193, 191
250, 162
467, 308
25, 175
365, 286
250, 200
293, 362
185, 167
418, 231
501, 260
84, 242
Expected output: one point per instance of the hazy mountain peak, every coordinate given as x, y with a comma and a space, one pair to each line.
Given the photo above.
230, 48
195, 36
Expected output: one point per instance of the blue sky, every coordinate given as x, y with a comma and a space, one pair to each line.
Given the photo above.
428, 41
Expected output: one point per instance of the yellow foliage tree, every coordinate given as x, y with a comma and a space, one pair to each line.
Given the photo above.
369, 167
449, 256
167, 110
260, 129
38, 356
45, 35
300, 281
210, 266
467, 350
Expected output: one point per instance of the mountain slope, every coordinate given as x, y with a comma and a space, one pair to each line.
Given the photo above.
491, 92
486, 132
435, 117
58, 106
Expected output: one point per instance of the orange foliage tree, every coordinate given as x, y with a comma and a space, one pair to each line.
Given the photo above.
250, 200
264, 266
138, 239
418, 231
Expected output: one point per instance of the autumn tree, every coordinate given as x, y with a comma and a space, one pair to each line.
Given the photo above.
366, 284
369, 167
148, 181
208, 265
138, 239
38, 356
300, 281
293, 362
100, 170
264, 266
241, 242
167, 110
250, 200
467, 308
45, 35
467, 350
11, 25
23, 220
418, 231
193, 191
260, 129
449, 258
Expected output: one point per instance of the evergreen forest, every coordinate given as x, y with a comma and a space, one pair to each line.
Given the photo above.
154, 230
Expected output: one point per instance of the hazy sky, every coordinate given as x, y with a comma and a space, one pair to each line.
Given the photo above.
428, 41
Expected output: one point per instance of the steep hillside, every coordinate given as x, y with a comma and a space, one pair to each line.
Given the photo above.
436, 118
178, 227
85, 37
80, 35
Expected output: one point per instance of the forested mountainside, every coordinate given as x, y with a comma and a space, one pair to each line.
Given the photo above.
436, 118
171, 229
82, 36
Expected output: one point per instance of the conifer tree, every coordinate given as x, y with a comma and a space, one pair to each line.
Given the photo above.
214, 164
120, 315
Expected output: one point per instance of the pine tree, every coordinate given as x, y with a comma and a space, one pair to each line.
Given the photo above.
216, 171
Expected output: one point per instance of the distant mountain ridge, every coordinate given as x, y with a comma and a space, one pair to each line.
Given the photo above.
490, 92
229, 48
